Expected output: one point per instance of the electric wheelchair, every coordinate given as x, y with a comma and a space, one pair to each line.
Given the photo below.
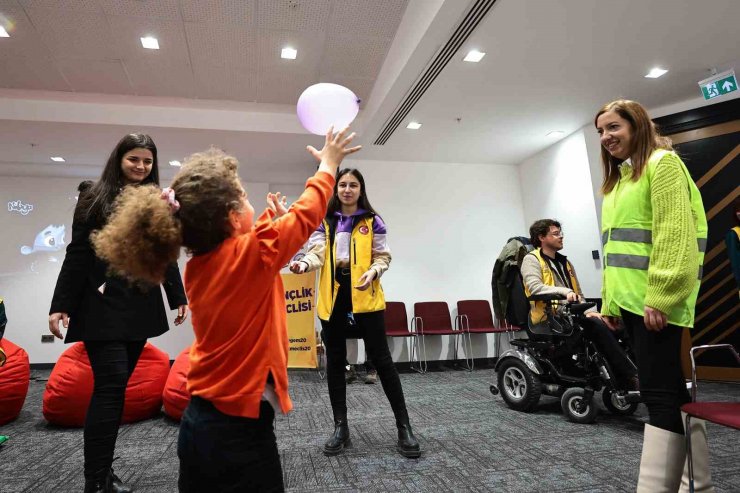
558, 360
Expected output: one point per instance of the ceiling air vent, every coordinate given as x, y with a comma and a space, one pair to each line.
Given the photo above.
477, 12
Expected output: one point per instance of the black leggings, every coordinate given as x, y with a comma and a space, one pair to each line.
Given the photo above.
370, 327
662, 384
112, 364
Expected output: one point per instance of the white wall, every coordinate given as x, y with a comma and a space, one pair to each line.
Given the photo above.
446, 224
593, 150
27, 281
556, 184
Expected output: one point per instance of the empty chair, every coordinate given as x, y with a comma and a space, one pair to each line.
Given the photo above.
475, 317
397, 325
432, 318
721, 413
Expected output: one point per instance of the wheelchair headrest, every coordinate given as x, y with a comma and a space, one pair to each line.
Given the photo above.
579, 308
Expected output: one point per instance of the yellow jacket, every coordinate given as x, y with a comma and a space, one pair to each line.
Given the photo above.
363, 256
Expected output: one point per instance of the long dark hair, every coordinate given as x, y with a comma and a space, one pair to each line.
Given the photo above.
98, 201
362, 203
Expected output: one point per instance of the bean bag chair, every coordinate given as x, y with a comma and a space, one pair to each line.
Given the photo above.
15, 376
176, 396
70, 387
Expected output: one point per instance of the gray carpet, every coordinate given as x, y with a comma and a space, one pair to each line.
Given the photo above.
471, 442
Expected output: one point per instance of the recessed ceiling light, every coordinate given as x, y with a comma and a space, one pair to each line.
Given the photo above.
474, 56
289, 53
150, 43
3, 33
655, 73
57, 159
555, 134
414, 125
175, 163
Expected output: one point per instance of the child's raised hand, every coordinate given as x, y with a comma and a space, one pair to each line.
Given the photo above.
277, 203
334, 150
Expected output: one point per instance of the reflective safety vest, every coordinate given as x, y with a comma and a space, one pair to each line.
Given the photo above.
360, 259
537, 313
626, 229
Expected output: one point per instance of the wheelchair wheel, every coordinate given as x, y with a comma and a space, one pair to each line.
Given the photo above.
571, 402
609, 398
520, 387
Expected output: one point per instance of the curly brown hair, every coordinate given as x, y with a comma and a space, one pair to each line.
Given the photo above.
540, 228
143, 236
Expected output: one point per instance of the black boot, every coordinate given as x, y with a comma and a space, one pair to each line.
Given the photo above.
407, 446
340, 439
116, 486
98, 485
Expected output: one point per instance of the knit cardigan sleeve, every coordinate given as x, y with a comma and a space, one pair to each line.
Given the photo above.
674, 261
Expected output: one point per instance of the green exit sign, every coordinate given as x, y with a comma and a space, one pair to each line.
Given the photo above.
719, 85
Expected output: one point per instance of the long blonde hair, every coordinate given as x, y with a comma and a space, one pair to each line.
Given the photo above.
645, 139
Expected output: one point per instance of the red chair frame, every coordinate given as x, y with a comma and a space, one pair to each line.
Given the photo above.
482, 324
429, 308
397, 325
721, 413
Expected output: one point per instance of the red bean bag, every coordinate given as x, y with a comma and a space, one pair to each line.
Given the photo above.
70, 387
15, 376
176, 396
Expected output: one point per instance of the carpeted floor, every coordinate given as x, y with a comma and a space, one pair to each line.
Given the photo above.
471, 442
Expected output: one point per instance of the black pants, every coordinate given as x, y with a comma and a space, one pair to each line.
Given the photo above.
662, 384
222, 453
112, 364
608, 345
370, 327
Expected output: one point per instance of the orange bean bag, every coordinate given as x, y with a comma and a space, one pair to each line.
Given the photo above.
70, 387
15, 376
176, 396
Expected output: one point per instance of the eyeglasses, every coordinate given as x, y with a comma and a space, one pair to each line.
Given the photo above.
557, 234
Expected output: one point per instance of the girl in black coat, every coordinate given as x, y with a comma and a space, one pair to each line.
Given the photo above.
110, 315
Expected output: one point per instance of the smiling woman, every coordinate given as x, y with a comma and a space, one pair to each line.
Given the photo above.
351, 251
132, 161
136, 165
654, 231
112, 317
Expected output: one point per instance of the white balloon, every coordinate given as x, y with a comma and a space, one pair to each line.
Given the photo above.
323, 105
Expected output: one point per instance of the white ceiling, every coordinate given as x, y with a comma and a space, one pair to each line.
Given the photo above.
549, 65
209, 49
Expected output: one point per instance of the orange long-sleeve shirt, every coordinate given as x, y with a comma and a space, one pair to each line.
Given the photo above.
238, 307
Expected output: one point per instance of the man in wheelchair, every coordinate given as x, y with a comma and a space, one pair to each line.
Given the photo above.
546, 272
571, 352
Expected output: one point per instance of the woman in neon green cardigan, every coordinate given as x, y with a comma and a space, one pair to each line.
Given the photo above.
654, 231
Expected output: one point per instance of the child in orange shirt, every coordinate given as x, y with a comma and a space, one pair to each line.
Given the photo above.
238, 373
